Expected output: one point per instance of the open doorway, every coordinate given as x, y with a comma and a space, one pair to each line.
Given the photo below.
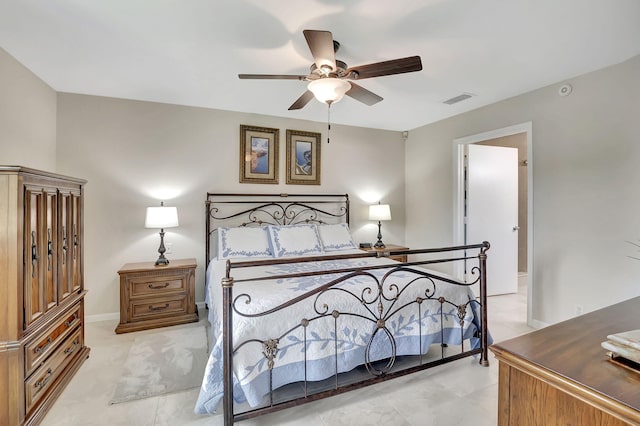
518, 136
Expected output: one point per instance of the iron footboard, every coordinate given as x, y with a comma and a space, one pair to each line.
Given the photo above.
381, 305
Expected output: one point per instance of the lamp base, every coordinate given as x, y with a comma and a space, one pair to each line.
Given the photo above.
162, 261
379, 243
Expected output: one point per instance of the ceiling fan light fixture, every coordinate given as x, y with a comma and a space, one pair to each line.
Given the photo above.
329, 90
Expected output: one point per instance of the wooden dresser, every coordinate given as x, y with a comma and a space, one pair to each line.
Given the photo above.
157, 296
41, 290
560, 375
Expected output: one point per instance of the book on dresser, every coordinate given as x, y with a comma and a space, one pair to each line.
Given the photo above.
41, 290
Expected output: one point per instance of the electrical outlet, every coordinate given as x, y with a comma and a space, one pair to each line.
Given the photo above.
578, 309
169, 248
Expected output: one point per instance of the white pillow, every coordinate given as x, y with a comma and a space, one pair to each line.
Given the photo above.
294, 240
243, 241
336, 237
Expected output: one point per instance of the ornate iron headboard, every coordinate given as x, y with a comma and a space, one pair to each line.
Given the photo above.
224, 209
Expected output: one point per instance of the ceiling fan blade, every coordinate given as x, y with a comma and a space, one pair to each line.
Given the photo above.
302, 100
363, 95
394, 66
271, 77
321, 46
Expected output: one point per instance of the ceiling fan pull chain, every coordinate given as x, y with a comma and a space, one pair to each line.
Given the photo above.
329, 122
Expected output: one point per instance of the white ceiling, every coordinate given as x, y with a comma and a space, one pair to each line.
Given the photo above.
189, 52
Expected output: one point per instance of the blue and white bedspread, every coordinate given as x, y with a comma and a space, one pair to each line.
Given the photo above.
350, 333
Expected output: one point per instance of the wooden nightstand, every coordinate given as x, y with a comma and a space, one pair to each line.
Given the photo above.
157, 296
391, 247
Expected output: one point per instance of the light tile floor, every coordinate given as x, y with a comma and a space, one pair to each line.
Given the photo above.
461, 392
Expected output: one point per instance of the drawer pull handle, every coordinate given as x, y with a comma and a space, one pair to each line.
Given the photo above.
155, 287
75, 241
34, 254
49, 249
158, 308
44, 346
64, 245
40, 383
71, 349
70, 322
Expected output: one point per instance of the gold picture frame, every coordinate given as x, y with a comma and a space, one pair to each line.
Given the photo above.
303, 157
258, 154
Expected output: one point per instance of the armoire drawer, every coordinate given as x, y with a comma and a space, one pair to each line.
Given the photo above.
157, 307
150, 286
39, 349
36, 386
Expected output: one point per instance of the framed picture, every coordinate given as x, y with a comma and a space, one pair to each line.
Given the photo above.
258, 154
303, 157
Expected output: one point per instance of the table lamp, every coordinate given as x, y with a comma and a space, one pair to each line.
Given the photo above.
161, 217
379, 212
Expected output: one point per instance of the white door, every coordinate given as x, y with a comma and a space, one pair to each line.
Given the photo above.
492, 212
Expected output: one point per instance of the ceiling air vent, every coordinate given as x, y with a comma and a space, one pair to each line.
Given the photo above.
457, 99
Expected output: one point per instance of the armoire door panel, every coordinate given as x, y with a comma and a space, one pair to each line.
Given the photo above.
51, 279
76, 278
66, 247
34, 299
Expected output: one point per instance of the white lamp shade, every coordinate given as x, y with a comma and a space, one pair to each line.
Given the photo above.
329, 90
161, 217
380, 212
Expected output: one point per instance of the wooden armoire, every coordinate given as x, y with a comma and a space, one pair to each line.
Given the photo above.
41, 290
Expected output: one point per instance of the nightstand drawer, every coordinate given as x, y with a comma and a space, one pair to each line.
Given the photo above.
36, 351
145, 286
399, 258
35, 387
157, 307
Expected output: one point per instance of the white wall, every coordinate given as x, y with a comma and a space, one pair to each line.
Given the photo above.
27, 117
586, 151
132, 152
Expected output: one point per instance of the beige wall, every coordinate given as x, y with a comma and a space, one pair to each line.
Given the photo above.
27, 117
585, 152
586, 149
130, 152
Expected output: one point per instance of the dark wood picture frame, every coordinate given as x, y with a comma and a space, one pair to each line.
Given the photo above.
259, 154
303, 157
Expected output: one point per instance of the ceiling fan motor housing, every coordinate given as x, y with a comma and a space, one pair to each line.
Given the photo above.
340, 72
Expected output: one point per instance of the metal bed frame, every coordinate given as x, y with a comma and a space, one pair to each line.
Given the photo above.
229, 209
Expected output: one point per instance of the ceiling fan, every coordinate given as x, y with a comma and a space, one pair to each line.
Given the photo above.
330, 79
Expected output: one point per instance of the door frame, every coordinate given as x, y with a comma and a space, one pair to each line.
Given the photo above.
458, 199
